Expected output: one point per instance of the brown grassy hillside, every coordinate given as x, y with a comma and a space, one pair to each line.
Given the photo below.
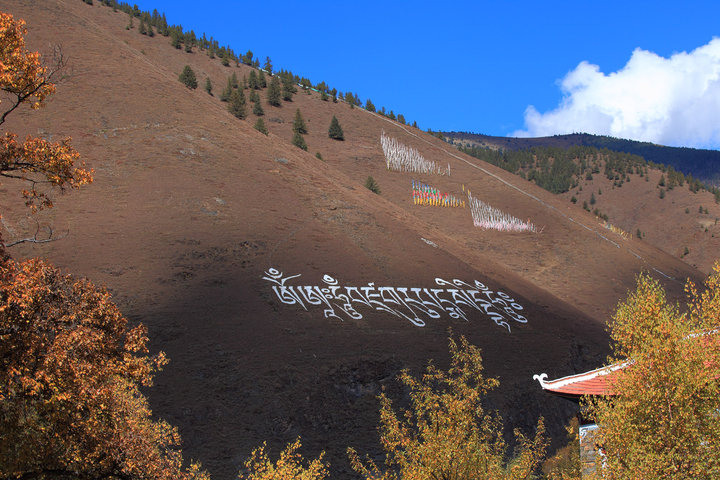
672, 221
192, 207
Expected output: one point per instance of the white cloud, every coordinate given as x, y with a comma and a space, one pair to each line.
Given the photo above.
670, 101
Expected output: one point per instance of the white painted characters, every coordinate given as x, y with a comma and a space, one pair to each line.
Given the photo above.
417, 305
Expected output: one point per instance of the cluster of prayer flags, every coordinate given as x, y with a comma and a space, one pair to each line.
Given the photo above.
426, 195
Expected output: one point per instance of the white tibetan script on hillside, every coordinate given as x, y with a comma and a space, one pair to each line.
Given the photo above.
455, 299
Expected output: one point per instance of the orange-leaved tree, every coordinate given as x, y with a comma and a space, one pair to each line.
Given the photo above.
447, 433
25, 80
71, 368
70, 375
663, 422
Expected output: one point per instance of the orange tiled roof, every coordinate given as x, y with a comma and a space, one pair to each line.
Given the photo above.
599, 381
594, 382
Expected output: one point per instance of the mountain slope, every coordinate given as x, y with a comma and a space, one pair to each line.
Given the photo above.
653, 196
193, 211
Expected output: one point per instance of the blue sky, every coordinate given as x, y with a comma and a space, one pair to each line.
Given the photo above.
480, 66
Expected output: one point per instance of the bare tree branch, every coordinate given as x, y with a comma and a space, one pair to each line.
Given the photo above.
35, 239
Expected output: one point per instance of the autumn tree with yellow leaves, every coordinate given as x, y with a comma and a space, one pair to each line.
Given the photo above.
447, 433
71, 367
664, 421
289, 466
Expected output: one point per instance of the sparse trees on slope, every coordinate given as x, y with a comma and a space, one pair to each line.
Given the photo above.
258, 109
447, 433
260, 126
253, 81
335, 131
288, 86
208, 86
299, 123
663, 421
187, 77
299, 141
274, 93
237, 104
227, 91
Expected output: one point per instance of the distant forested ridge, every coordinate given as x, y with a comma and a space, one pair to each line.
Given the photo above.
703, 165
559, 169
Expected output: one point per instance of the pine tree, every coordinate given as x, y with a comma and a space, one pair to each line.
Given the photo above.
253, 81
163, 28
369, 106
234, 81
299, 124
274, 93
141, 29
237, 105
225, 95
260, 126
268, 65
175, 39
254, 97
258, 109
248, 58
372, 185
335, 131
208, 86
299, 141
262, 82
187, 77
288, 87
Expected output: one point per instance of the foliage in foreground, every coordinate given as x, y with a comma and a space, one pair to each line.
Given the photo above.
565, 464
70, 376
290, 465
446, 433
664, 421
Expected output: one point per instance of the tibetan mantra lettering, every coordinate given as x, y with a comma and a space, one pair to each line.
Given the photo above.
455, 299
